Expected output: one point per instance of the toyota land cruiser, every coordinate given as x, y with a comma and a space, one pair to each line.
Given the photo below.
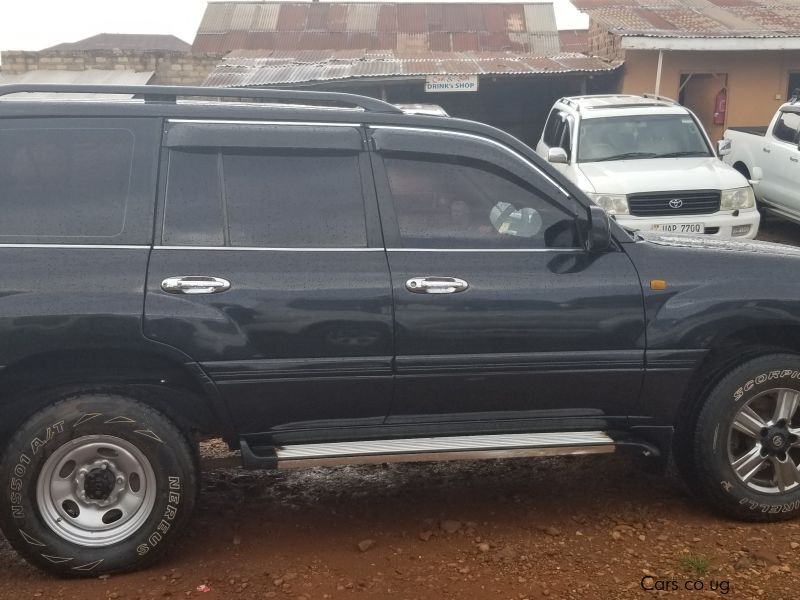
321, 279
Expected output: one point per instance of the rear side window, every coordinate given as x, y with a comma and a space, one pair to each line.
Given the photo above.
265, 198
458, 202
64, 183
787, 127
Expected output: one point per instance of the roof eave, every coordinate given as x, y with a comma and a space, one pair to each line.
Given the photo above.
657, 41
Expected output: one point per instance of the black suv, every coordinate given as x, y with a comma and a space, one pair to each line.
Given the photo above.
321, 279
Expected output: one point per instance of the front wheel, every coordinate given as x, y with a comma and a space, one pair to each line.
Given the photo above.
97, 482
746, 441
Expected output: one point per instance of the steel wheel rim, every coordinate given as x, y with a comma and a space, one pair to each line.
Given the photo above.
764, 442
96, 490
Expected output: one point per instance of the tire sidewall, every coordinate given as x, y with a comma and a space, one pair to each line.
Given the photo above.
712, 435
72, 418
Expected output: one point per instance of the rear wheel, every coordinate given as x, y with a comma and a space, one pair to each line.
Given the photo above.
745, 444
97, 482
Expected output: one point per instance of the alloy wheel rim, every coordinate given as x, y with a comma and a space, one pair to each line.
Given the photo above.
764, 442
96, 490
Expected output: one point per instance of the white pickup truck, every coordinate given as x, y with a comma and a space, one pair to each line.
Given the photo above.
770, 158
649, 162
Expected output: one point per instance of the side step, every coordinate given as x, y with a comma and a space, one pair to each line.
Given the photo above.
427, 449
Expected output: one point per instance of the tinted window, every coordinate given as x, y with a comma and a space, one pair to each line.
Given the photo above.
67, 183
456, 202
294, 200
787, 126
265, 199
193, 210
639, 137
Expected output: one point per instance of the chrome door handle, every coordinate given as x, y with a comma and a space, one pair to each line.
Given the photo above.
436, 285
192, 284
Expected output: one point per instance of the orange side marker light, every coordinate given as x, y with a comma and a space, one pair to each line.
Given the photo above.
658, 285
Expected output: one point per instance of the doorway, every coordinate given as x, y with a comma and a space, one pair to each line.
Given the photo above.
699, 93
794, 85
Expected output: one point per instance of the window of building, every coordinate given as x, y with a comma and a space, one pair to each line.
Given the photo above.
455, 202
65, 183
281, 198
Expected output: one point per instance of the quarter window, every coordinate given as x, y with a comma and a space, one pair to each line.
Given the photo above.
787, 127
456, 202
64, 183
280, 198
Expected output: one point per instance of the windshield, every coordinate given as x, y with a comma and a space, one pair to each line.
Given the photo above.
640, 136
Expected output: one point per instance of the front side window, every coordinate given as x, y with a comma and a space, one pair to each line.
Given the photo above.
552, 130
265, 198
640, 137
65, 183
457, 202
787, 126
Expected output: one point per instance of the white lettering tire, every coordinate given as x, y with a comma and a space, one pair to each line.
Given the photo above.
97, 482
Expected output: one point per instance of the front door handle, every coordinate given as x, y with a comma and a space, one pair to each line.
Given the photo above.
767, 150
192, 284
436, 285
794, 159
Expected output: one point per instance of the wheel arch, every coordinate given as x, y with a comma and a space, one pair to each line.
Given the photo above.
727, 352
180, 390
740, 166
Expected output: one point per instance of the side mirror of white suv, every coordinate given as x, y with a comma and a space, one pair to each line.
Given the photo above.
557, 156
724, 147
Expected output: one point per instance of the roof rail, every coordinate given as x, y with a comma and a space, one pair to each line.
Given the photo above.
170, 94
658, 97
570, 102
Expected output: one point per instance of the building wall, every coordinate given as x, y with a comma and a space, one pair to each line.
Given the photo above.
757, 82
171, 68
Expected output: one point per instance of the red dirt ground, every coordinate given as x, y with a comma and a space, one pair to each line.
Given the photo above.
578, 527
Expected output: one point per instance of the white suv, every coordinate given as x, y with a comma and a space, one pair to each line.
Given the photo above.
649, 162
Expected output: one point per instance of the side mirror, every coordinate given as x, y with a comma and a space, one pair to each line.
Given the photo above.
724, 147
557, 156
599, 235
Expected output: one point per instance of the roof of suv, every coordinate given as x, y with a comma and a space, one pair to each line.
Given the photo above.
45, 100
613, 105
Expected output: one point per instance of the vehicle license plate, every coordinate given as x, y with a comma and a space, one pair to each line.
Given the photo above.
678, 227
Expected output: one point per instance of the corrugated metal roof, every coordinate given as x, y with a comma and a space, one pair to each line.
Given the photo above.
124, 41
446, 27
696, 18
264, 68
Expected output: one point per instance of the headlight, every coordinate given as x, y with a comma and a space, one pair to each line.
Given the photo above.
613, 204
737, 198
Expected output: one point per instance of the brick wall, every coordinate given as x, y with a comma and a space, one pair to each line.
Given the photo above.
604, 43
171, 68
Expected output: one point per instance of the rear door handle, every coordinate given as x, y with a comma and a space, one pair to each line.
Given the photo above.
767, 150
794, 159
193, 284
436, 285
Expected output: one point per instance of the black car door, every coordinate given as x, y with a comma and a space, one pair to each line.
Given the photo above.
271, 273
500, 312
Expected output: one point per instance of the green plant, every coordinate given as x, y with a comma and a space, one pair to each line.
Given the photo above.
696, 563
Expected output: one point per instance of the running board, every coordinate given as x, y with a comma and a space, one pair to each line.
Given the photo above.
432, 449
